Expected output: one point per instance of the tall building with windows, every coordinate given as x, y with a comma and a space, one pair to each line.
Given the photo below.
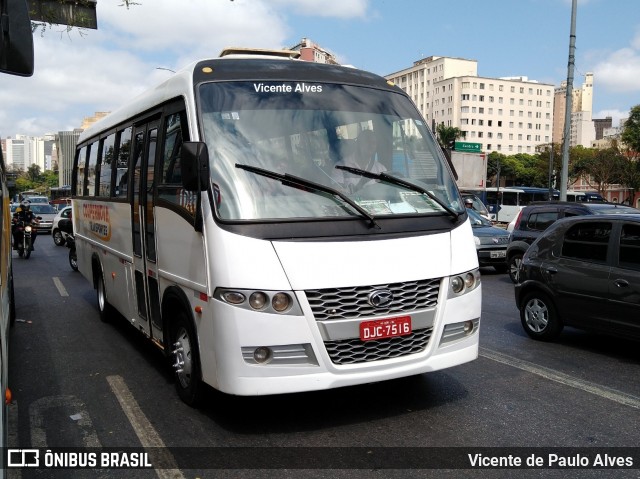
24, 151
583, 130
66, 142
509, 115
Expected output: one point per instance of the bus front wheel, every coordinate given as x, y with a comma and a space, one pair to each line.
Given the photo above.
186, 360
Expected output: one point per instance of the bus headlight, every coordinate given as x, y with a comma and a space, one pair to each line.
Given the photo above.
281, 302
233, 297
457, 284
274, 302
464, 283
258, 300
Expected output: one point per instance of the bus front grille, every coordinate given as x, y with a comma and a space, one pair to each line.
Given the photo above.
354, 351
354, 302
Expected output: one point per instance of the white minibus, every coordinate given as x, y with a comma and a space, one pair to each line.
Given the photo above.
229, 215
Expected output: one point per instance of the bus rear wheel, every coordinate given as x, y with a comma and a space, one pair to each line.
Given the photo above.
104, 308
186, 361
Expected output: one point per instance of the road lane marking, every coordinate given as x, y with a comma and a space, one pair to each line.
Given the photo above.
162, 459
60, 286
602, 391
13, 439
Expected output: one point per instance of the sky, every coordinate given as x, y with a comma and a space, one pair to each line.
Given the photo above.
81, 72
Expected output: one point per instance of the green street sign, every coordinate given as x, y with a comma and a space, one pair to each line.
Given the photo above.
468, 147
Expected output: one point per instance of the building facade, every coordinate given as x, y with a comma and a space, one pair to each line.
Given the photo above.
508, 115
24, 151
583, 130
65, 147
312, 52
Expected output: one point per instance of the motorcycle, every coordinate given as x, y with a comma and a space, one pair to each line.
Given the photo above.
66, 226
25, 232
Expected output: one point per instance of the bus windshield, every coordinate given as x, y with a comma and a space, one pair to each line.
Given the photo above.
306, 130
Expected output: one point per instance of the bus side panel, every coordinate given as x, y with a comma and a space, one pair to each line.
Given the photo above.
180, 252
104, 229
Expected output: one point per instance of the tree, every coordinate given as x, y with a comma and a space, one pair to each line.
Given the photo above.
33, 173
448, 135
599, 168
631, 131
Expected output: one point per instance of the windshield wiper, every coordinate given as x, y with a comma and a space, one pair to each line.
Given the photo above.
400, 182
297, 182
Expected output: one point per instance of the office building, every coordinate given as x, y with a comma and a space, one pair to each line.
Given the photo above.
509, 115
583, 131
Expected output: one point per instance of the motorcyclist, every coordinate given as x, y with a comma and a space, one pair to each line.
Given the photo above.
24, 214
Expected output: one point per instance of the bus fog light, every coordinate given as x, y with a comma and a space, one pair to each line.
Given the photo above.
258, 300
233, 297
457, 284
468, 327
262, 354
281, 302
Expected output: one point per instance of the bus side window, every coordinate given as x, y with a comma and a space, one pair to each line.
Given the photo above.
170, 184
104, 186
122, 163
81, 167
92, 170
509, 198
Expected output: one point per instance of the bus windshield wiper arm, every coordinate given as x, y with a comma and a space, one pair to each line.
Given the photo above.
400, 182
295, 181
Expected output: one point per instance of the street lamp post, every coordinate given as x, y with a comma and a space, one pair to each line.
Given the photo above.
551, 173
497, 187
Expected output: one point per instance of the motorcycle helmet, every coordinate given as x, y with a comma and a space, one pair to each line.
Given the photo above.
26, 204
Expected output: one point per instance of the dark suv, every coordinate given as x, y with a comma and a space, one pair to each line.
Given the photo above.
583, 272
537, 217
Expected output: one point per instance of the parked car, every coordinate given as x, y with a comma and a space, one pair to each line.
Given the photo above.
491, 242
46, 213
582, 272
59, 236
537, 217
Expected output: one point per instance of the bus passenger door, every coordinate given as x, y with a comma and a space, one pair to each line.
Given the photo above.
144, 245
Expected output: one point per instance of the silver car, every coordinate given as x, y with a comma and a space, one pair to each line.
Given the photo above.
46, 213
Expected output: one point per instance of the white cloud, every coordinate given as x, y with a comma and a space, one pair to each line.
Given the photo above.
326, 8
197, 27
77, 74
619, 71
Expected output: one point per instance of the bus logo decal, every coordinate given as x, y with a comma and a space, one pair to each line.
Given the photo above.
380, 298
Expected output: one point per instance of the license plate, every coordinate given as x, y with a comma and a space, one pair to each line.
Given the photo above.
385, 328
498, 254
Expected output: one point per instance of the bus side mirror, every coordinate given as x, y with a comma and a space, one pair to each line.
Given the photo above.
194, 165
16, 38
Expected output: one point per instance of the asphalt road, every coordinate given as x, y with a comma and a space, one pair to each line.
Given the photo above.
78, 382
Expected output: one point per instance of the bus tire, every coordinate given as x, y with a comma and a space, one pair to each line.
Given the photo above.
104, 308
186, 360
